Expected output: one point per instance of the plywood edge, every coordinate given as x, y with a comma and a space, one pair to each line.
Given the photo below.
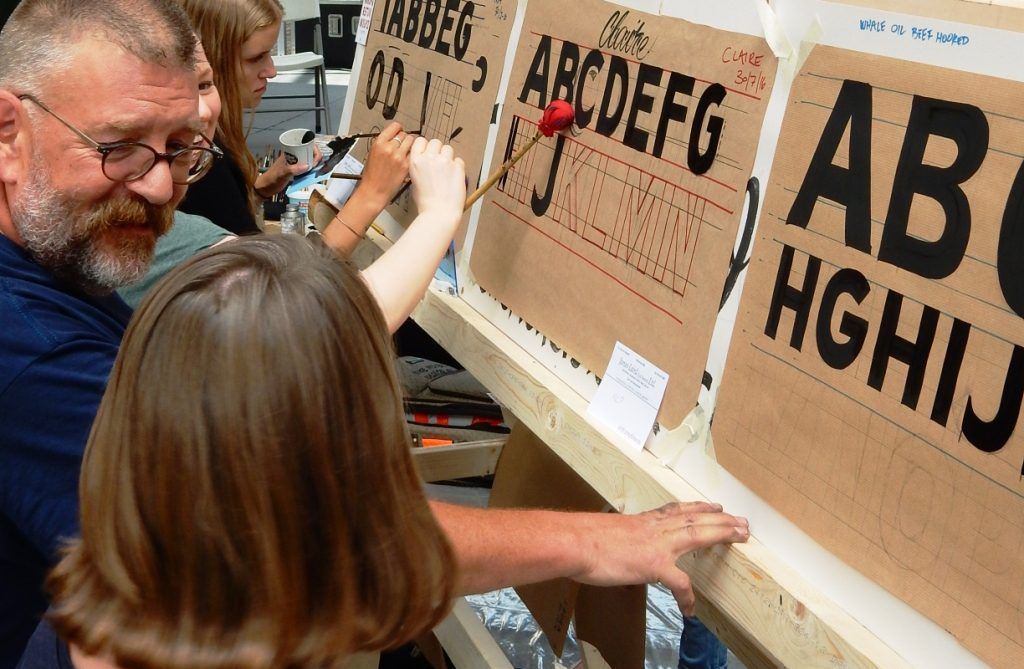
468, 642
440, 463
752, 592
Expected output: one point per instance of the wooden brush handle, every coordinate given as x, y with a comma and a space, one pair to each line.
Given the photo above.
505, 167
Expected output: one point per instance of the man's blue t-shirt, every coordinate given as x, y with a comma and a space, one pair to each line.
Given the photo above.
57, 347
46, 650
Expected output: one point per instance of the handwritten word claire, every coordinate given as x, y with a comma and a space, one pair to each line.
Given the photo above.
733, 55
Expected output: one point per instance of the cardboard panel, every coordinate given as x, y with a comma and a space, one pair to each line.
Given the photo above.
435, 67
622, 230
530, 475
612, 620
873, 389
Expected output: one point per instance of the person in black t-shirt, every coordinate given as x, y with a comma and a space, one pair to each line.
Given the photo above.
238, 36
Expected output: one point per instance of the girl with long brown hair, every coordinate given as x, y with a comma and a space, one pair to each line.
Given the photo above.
238, 36
247, 494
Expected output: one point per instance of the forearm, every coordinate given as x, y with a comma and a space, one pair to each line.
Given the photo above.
261, 186
497, 548
401, 275
350, 224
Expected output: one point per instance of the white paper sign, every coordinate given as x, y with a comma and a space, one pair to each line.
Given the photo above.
629, 395
364, 22
339, 190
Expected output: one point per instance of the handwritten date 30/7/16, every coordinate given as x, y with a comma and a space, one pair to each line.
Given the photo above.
750, 78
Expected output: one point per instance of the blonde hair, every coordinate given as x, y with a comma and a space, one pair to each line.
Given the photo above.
223, 26
247, 494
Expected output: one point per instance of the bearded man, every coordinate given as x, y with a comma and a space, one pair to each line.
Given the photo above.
93, 159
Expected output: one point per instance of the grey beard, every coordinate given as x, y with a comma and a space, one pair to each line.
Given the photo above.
66, 245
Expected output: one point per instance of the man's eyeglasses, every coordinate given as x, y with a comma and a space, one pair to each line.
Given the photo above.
130, 161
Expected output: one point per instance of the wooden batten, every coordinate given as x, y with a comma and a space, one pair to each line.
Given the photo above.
767, 612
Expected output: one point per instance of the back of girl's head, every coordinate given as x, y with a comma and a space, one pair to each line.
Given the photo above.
247, 495
223, 26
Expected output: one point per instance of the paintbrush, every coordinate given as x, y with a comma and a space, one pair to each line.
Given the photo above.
557, 116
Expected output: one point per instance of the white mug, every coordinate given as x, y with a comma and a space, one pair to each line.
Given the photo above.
291, 142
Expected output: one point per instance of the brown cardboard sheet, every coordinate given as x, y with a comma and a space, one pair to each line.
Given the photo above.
530, 475
435, 67
622, 229
873, 388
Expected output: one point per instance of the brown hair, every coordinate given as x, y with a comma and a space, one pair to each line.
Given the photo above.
223, 26
247, 494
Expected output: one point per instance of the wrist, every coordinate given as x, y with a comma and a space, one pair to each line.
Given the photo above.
442, 216
358, 231
262, 188
359, 213
370, 198
580, 557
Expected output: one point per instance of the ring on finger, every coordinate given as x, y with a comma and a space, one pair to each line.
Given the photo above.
396, 139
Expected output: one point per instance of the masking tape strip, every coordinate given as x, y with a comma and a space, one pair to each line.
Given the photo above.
773, 32
811, 39
693, 434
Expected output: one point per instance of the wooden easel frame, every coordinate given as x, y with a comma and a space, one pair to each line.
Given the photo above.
763, 610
